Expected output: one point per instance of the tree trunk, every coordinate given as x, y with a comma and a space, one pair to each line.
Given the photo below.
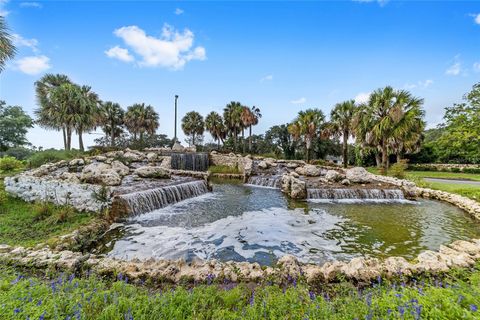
218, 144
384, 156
250, 140
69, 138
243, 140
80, 140
345, 149
112, 135
307, 154
399, 157
64, 138
378, 160
193, 139
235, 141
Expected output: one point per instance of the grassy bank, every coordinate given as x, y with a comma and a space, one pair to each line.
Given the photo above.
224, 169
454, 296
470, 191
28, 224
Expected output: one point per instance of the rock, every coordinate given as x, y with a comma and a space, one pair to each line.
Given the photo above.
362, 269
76, 162
309, 170
333, 175
152, 172
120, 168
177, 146
191, 149
70, 177
395, 266
345, 182
298, 189
4, 248
214, 153
358, 175
431, 261
271, 162
294, 174
289, 264
152, 156
263, 165
101, 158
332, 270
100, 173
292, 165
133, 156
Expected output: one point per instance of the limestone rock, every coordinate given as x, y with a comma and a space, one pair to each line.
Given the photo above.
358, 175
101, 158
298, 189
152, 156
394, 266
289, 264
177, 147
152, 172
292, 165
309, 170
345, 182
70, 177
133, 156
76, 162
120, 168
263, 165
333, 175
362, 269
100, 173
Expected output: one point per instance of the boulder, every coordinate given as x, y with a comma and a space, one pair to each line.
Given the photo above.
152, 156
345, 182
292, 165
100, 173
333, 175
309, 170
271, 162
120, 168
133, 156
101, 158
152, 172
70, 177
191, 149
76, 162
263, 165
177, 146
358, 175
298, 189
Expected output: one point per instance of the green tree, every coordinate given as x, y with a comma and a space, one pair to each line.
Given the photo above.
14, 125
7, 49
66, 99
50, 115
215, 125
460, 140
193, 125
307, 126
232, 115
250, 117
86, 112
111, 120
281, 140
140, 120
341, 124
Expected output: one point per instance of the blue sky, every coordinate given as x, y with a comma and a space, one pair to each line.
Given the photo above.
280, 56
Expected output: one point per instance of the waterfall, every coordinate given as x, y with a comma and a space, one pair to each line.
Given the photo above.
360, 194
149, 200
265, 181
190, 161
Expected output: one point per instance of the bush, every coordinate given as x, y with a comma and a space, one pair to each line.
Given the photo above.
52, 155
472, 170
419, 167
43, 210
456, 170
9, 164
18, 153
398, 169
3, 197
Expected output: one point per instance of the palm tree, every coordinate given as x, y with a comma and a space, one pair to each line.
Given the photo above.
307, 125
48, 115
386, 119
256, 115
86, 113
215, 125
7, 49
232, 114
341, 124
193, 125
111, 118
247, 118
66, 100
141, 119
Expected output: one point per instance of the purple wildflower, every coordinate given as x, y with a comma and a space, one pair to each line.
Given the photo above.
16, 310
401, 310
312, 295
252, 298
473, 308
39, 303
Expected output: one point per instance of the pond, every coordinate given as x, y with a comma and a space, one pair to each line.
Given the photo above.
245, 223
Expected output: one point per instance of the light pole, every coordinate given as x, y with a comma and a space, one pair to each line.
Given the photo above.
175, 134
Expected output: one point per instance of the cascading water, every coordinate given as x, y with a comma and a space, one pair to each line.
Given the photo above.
189, 161
265, 181
355, 194
149, 200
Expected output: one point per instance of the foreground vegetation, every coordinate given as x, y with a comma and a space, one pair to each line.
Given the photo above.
27, 224
455, 295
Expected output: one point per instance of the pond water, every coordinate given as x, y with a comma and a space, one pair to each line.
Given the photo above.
245, 223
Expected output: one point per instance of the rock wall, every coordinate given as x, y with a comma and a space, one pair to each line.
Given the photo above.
80, 196
244, 164
445, 166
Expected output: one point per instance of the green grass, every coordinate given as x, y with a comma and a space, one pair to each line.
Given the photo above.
62, 296
28, 224
224, 169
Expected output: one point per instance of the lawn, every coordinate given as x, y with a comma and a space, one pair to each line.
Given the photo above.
470, 191
27, 224
455, 295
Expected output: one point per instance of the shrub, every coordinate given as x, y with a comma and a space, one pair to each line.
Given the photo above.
18, 153
52, 155
8, 164
63, 214
398, 169
3, 198
456, 170
43, 210
472, 170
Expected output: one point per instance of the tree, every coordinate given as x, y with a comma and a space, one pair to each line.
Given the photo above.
66, 98
111, 119
141, 119
14, 125
460, 137
215, 125
250, 118
282, 140
232, 114
86, 112
7, 49
341, 124
49, 114
307, 125
193, 125
385, 120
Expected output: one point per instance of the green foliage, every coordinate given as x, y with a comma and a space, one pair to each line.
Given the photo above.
52, 155
398, 169
18, 153
9, 164
14, 125
42, 210
60, 296
193, 125
224, 169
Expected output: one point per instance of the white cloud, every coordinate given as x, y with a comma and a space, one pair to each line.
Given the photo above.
268, 77
380, 2
455, 68
420, 84
20, 41
33, 65
362, 97
31, 5
476, 67
120, 54
178, 11
476, 17
299, 100
3, 12
173, 49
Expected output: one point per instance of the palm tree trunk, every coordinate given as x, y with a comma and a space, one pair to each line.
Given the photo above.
218, 144
69, 138
378, 160
308, 154
243, 140
80, 140
384, 156
64, 138
112, 135
250, 140
193, 139
235, 141
345, 149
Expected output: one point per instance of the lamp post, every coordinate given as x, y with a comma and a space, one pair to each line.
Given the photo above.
175, 134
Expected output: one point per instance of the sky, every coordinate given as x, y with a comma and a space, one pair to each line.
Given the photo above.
282, 57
